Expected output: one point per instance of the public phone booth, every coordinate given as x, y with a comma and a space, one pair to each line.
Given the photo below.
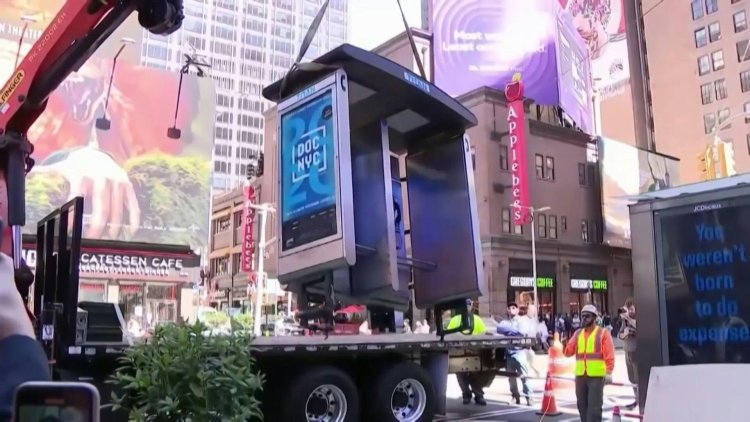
368, 152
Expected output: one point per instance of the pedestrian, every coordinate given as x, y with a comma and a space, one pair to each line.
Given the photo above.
595, 360
471, 383
627, 335
517, 357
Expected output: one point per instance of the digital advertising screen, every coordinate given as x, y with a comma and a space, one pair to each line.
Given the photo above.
706, 279
308, 172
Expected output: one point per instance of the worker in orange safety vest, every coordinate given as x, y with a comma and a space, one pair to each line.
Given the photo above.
595, 360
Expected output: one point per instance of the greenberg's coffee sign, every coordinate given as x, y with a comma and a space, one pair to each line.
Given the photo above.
588, 284
122, 264
541, 282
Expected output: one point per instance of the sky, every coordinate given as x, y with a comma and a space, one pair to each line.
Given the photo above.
372, 22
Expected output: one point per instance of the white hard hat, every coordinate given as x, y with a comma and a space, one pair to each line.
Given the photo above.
590, 309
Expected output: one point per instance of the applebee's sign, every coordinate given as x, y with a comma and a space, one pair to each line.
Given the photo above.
248, 242
517, 129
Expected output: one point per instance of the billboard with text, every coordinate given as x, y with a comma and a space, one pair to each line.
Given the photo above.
138, 183
627, 171
485, 42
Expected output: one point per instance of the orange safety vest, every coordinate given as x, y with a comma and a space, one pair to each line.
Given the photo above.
589, 355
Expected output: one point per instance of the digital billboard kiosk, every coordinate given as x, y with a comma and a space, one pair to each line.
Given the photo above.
315, 185
352, 228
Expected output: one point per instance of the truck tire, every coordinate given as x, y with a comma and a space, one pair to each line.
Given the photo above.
324, 394
403, 392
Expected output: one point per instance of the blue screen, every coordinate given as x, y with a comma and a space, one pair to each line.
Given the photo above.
308, 172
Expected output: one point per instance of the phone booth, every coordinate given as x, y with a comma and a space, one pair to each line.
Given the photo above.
347, 124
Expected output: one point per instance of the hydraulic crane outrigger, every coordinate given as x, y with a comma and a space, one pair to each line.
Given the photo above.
77, 31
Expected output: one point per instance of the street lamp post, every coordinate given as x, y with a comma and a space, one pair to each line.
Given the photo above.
26, 21
532, 210
263, 209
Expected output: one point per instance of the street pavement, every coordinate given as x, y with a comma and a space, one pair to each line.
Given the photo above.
498, 398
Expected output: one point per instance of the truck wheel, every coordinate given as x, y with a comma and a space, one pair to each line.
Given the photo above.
403, 393
323, 394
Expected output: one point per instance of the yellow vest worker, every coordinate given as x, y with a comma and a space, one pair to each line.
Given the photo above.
479, 327
595, 360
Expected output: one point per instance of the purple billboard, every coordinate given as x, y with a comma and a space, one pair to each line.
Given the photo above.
574, 73
484, 42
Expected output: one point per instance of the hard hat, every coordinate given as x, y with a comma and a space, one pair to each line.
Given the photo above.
590, 309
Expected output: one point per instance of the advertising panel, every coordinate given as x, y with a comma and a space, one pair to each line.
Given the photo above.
574, 73
601, 23
627, 171
485, 42
248, 227
704, 264
398, 219
517, 127
308, 186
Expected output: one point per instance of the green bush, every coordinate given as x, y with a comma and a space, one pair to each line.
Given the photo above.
244, 320
184, 375
216, 319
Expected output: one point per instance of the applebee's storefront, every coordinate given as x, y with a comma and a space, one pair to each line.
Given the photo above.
152, 282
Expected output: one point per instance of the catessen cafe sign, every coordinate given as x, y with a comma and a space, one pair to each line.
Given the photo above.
248, 242
123, 264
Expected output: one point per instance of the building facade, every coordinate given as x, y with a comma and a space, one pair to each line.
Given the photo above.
248, 44
698, 63
573, 267
152, 283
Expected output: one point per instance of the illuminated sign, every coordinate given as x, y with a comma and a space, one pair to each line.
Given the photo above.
588, 284
541, 282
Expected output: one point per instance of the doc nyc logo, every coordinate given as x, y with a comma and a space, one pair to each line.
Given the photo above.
310, 154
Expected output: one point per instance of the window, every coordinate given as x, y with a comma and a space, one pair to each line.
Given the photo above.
518, 229
503, 157
717, 59
697, 9
745, 81
742, 51
714, 31
539, 165
704, 65
585, 231
707, 94
747, 141
506, 220
721, 89
549, 168
740, 21
564, 223
541, 220
712, 6
586, 174
552, 226
701, 38
736, 1
709, 121
473, 158
746, 112
724, 114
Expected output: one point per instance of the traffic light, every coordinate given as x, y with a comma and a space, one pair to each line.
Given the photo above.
260, 164
252, 171
726, 159
706, 164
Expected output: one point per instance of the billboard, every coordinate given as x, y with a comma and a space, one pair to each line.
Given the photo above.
308, 172
602, 25
574, 74
139, 184
627, 171
485, 42
517, 133
248, 230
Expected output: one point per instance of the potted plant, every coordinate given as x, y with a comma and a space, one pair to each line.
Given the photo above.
183, 375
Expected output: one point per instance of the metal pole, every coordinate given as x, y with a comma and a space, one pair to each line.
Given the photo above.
20, 43
533, 257
260, 278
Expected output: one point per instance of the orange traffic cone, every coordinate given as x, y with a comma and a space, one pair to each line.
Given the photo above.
549, 406
616, 417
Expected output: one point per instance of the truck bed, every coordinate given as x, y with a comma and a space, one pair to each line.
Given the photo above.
377, 342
